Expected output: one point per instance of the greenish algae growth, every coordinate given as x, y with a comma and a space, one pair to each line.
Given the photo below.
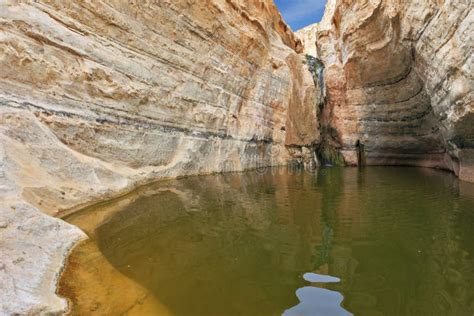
329, 155
372, 241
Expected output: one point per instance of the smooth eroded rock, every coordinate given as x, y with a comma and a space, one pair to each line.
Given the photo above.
399, 80
99, 97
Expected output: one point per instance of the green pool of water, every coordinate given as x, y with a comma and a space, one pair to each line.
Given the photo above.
342, 241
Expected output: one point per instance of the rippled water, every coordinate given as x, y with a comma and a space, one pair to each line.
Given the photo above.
377, 241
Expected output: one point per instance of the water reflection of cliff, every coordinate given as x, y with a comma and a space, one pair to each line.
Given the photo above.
227, 244
403, 241
400, 240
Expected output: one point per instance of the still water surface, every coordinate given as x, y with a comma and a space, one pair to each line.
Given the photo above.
377, 241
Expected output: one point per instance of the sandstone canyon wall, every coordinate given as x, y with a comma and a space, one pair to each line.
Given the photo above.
399, 79
97, 97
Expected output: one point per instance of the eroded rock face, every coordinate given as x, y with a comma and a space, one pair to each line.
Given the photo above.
399, 80
98, 97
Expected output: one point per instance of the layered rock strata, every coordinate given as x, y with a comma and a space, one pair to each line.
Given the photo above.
399, 81
97, 97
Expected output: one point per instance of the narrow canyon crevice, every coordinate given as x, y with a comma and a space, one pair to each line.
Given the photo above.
97, 98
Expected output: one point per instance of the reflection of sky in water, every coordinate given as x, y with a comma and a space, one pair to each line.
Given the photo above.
319, 278
316, 301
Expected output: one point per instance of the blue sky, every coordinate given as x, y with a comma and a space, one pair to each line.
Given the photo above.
300, 13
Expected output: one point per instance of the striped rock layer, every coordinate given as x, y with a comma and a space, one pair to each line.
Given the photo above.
98, 97
399, 78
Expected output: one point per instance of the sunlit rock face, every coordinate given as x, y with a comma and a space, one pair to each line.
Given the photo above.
120, 90
100, 96
399, 80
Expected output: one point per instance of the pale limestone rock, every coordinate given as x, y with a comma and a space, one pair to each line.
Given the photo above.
32, 247
399, 79
308, 34
99, 97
